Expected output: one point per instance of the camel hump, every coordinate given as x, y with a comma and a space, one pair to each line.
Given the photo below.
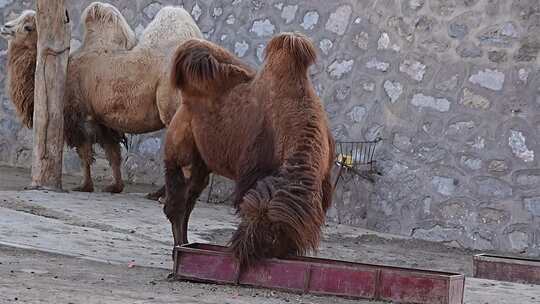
206, 67
171, 26
297, 45
103, 24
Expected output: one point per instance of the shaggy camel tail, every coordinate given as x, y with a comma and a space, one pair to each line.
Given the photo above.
283, 214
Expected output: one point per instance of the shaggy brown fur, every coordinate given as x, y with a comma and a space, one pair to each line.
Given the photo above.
113, 86
268, 132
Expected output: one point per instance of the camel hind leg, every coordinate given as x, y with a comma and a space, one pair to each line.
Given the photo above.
86, 155
327, 192
109, 140
114, 156
327, 186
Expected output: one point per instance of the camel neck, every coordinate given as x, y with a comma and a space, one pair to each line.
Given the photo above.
21, 73
21, 65
18, 52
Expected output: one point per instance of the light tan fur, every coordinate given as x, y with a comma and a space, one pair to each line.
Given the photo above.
106, 28
22, 38
113, 86
129, 91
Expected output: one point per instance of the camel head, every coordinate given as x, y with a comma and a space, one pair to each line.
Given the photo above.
105, 27
21, 31
204, 68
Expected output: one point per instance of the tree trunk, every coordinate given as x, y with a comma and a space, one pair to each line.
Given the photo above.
54, 34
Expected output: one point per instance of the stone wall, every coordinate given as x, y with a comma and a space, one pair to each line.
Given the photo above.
451, 85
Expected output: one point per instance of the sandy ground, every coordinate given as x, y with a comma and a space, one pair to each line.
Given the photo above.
18, 178
77, 248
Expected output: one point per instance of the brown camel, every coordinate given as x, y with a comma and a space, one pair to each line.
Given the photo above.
266, 131
114, 86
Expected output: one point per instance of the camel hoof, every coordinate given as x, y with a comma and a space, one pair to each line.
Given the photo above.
84, 188
114, 188
156, 195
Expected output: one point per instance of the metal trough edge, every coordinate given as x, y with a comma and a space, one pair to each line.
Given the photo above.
213, 264
506, 268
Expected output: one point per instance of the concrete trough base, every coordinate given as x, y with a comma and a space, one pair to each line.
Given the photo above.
508, 269
214, 264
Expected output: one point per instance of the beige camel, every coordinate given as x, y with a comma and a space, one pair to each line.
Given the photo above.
114, 86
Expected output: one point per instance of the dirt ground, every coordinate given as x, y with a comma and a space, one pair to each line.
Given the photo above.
77, 248
18, 178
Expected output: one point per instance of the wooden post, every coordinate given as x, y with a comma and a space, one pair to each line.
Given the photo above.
54, 34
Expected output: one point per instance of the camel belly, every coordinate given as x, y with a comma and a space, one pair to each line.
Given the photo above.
122, 95
132, 120
124, 125
219, 156
129, 111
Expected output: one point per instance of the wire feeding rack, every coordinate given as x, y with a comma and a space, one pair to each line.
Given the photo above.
356, 158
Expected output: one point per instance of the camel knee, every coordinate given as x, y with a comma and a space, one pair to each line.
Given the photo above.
85, 153
114, 154
175, 192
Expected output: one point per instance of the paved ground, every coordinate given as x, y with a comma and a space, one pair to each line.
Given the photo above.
78, 248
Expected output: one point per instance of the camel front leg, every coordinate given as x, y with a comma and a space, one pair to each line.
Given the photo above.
197, 183
114, 156
179, 149
175, 206
86, 155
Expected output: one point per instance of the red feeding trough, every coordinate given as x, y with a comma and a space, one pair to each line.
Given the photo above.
509, 269
214, 264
